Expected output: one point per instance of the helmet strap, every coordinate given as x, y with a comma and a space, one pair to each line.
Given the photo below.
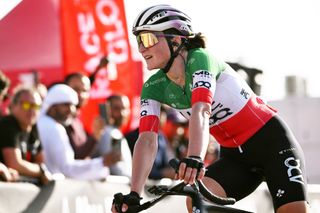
173, 54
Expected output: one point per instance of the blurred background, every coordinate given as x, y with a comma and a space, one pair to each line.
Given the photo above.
281, 38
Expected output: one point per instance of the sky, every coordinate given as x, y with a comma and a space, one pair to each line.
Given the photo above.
280, 37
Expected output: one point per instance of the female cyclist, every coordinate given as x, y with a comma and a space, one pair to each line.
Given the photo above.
256, 145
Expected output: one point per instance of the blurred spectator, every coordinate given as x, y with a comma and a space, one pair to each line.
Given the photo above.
41, 88
177, 130
8, 174
212, 153
20, 146
116, 111
82, 142
4, 87
160, 168
58, 111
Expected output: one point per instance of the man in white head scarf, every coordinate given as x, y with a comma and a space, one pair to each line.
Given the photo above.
58, 110
60, 103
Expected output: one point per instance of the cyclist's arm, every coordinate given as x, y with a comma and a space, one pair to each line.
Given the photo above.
143, 157
198, 141
199, 129
203, 88
146, 146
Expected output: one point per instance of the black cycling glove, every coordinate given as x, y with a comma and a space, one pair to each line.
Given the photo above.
193, 162
132, 200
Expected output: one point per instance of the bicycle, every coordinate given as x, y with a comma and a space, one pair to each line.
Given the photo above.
196, 191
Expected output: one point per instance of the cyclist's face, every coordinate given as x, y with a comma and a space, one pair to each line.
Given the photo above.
156, 56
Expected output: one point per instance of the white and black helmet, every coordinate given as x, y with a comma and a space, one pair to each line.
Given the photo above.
163, 17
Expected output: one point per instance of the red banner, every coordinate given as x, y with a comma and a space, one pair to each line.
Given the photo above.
92, 29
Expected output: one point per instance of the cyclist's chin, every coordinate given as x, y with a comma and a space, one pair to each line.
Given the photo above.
153, 66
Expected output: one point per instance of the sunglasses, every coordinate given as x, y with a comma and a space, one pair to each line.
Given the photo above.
26, 106
148, 39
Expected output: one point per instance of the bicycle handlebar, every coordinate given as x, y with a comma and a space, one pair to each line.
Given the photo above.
182, 189
174, 163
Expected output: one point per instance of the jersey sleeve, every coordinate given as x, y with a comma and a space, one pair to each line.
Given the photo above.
151, 99
149, 115
205, 70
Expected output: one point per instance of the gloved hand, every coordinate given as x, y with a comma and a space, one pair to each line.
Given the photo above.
193, 162
131, 200
191, 169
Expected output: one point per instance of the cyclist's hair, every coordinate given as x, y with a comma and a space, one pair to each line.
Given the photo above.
197, 41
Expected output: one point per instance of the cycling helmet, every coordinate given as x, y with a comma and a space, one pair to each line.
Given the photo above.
163, 17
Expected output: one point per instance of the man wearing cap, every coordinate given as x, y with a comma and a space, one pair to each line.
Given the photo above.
58, 111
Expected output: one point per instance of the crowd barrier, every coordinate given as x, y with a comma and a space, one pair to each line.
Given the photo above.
72, 196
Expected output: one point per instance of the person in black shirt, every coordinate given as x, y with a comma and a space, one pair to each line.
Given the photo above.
6, 174
20, 146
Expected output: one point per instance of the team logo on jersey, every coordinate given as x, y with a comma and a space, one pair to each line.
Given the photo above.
294, 171
202, 84
202, 78
244, 93
149, 107
218, 112
144, 105
287, 150
144, 102
151, 83
191, 60
280, 193
172, 96
202, 74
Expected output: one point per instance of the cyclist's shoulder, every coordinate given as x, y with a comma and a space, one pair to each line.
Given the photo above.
201, 53
198, 53
202, 59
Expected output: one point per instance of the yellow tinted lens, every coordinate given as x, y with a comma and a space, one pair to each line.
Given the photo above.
147, 39
36, 107
27, 106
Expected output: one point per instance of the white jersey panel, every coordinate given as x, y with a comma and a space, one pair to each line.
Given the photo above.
232, 93
150, 107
